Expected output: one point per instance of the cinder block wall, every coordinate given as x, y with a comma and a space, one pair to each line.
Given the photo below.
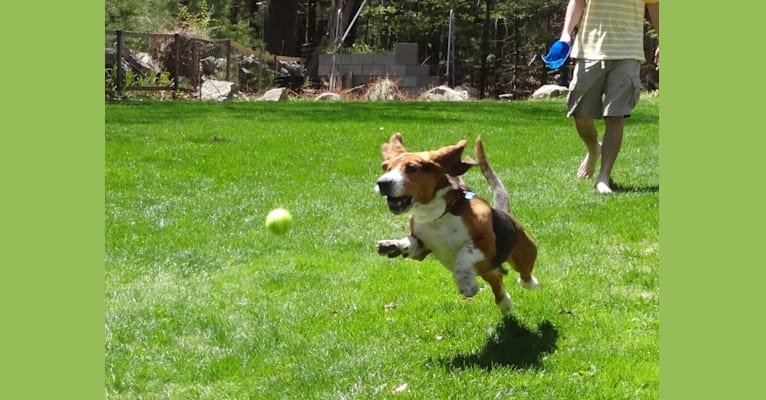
401, 66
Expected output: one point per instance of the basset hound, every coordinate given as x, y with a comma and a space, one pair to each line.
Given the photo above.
465, 233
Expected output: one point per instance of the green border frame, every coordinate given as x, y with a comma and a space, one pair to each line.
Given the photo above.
711, 270
51, 157
52, 163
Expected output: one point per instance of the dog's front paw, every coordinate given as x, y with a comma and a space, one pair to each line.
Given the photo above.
391, 248
466, 281
469, 289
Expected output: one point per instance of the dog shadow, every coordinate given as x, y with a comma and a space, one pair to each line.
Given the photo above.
635, 189
511, 345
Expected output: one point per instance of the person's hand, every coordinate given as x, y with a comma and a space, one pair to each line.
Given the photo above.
657, 58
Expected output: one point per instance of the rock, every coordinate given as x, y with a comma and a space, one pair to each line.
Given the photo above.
473, 93
550, 91
217, 90
444, 93
211, 65
278, 94
252, 72
110, 57
328, 96
140, 63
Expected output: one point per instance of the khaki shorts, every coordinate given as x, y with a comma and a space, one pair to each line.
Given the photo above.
608, 88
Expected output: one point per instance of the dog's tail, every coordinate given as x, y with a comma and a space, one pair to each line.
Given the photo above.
500, 194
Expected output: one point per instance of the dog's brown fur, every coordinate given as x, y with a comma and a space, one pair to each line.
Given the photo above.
463, 231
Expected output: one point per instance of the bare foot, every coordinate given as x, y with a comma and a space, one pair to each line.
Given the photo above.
603, 188
588, 165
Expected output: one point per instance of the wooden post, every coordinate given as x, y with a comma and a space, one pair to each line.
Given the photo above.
195, 73
228, 59
120, 72
177, 67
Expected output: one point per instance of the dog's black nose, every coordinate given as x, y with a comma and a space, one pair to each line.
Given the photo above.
384, 186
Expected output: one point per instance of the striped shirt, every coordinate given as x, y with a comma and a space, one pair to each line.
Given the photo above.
611, 30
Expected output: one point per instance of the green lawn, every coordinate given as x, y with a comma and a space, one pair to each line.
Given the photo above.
202, 302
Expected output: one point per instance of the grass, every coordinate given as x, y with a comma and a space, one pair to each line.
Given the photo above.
203, 302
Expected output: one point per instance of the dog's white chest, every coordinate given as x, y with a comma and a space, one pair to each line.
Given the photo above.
444, 236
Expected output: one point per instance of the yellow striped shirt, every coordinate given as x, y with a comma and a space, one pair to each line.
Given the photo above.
611, 30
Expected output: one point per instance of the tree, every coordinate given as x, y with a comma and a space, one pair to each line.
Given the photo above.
497, 43
138, 15
280, 27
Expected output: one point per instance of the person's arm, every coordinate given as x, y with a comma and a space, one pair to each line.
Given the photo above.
574, 12
654, 15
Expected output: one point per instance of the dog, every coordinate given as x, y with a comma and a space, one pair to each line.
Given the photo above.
463, 231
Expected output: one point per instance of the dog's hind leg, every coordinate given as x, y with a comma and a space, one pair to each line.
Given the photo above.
522, 259
502, 298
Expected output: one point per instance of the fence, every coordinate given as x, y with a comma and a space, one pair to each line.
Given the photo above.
177, 62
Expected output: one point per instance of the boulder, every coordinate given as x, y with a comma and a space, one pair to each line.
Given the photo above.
550, 91
211, 65
444, 93
328, 96
213, 90
473, 93
278, 94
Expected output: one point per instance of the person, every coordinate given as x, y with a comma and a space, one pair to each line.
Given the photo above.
608, 51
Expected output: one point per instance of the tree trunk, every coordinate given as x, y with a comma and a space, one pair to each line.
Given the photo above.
337, 28
253, 21
349, 10
311, 23
485, 49
280, 27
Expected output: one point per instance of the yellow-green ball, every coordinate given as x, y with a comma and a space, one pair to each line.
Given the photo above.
278, 221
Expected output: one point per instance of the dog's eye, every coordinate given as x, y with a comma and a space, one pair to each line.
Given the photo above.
410, 168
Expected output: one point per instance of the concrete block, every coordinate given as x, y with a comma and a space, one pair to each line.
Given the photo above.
360, 80
418, 70
374, 69
383, 58
406, 59
405, 48
428, 81
407, 82
360, 59
406, 53
341, 59
355, 69
396, 70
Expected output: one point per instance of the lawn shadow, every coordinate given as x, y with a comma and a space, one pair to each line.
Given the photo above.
511, 345
635, 189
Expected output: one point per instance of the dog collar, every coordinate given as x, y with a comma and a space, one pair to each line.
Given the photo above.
462, 195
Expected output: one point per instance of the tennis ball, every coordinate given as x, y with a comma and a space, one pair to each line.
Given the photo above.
278, 221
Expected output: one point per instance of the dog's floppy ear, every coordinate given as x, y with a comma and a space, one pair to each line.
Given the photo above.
449, 159
393, 148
